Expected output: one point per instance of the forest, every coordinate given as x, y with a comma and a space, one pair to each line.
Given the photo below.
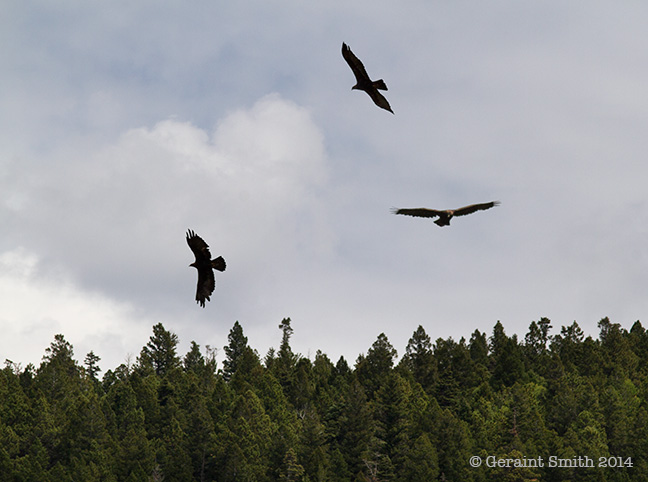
285, 417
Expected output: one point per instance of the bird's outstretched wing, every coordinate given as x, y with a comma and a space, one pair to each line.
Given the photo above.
205, 286
355, 64
379, 100
475, 207
418, 212
198, 246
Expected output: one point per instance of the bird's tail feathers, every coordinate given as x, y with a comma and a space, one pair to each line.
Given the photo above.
218, 263
380, 84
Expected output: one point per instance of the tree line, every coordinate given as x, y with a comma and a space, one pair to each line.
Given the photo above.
285, 417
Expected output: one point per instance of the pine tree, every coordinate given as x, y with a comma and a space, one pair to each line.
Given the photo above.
59, 379
284, 349
339, 469
234, 350
478, 347
619, 360
538, 336
172, 455
312, 447
283, 369
420, 360
457, 371
58, 369
569, 346
132, 454
87, 438
92, 368
507, 359
512, 473
392, 417
198, 426
291, 471
355, 428
252, 429
194, 361
536, 347
323, 376
421, 462
160, 352
453, 446
302, 385
620, 405
375, 367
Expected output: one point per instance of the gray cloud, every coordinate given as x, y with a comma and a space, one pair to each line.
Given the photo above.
121, 128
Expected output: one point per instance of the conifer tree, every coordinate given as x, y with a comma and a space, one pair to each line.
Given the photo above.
91, 362
392, 418
133, 456
375, 367
160, 352
286, 357
312, 447
291, 470
478, 347
420, 360
234, 350
355, 428
312, 420
507, 359
193, 361
421, 462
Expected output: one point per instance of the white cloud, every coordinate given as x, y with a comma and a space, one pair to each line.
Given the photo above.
37, 305
539, 107
114, 220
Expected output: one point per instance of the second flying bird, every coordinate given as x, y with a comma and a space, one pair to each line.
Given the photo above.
363, 82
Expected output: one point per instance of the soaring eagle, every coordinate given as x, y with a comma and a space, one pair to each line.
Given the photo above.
204, 264
447, 215
363, 82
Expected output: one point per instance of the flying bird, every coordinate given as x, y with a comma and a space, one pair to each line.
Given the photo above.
204, 264
446, 215
363, 82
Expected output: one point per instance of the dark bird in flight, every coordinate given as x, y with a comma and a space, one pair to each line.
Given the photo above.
447, 215
204, 264
363, 82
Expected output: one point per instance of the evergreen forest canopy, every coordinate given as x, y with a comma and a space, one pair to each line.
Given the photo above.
286, 417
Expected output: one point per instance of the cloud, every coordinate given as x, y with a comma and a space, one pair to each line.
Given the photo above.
113, 219
124, 128
38, 305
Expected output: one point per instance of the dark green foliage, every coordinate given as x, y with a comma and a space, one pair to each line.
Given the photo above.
234, 350
457, 371
92, 369
292, 418
355, 428
159, 353
507, 360
373, 369
291, 470
420, 360
478, 348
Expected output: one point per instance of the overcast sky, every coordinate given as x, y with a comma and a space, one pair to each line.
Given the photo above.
123, 124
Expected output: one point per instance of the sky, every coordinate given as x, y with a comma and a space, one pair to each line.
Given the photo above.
124, 124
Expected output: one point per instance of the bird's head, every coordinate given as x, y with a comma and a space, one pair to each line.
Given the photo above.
355, 87
193, 265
